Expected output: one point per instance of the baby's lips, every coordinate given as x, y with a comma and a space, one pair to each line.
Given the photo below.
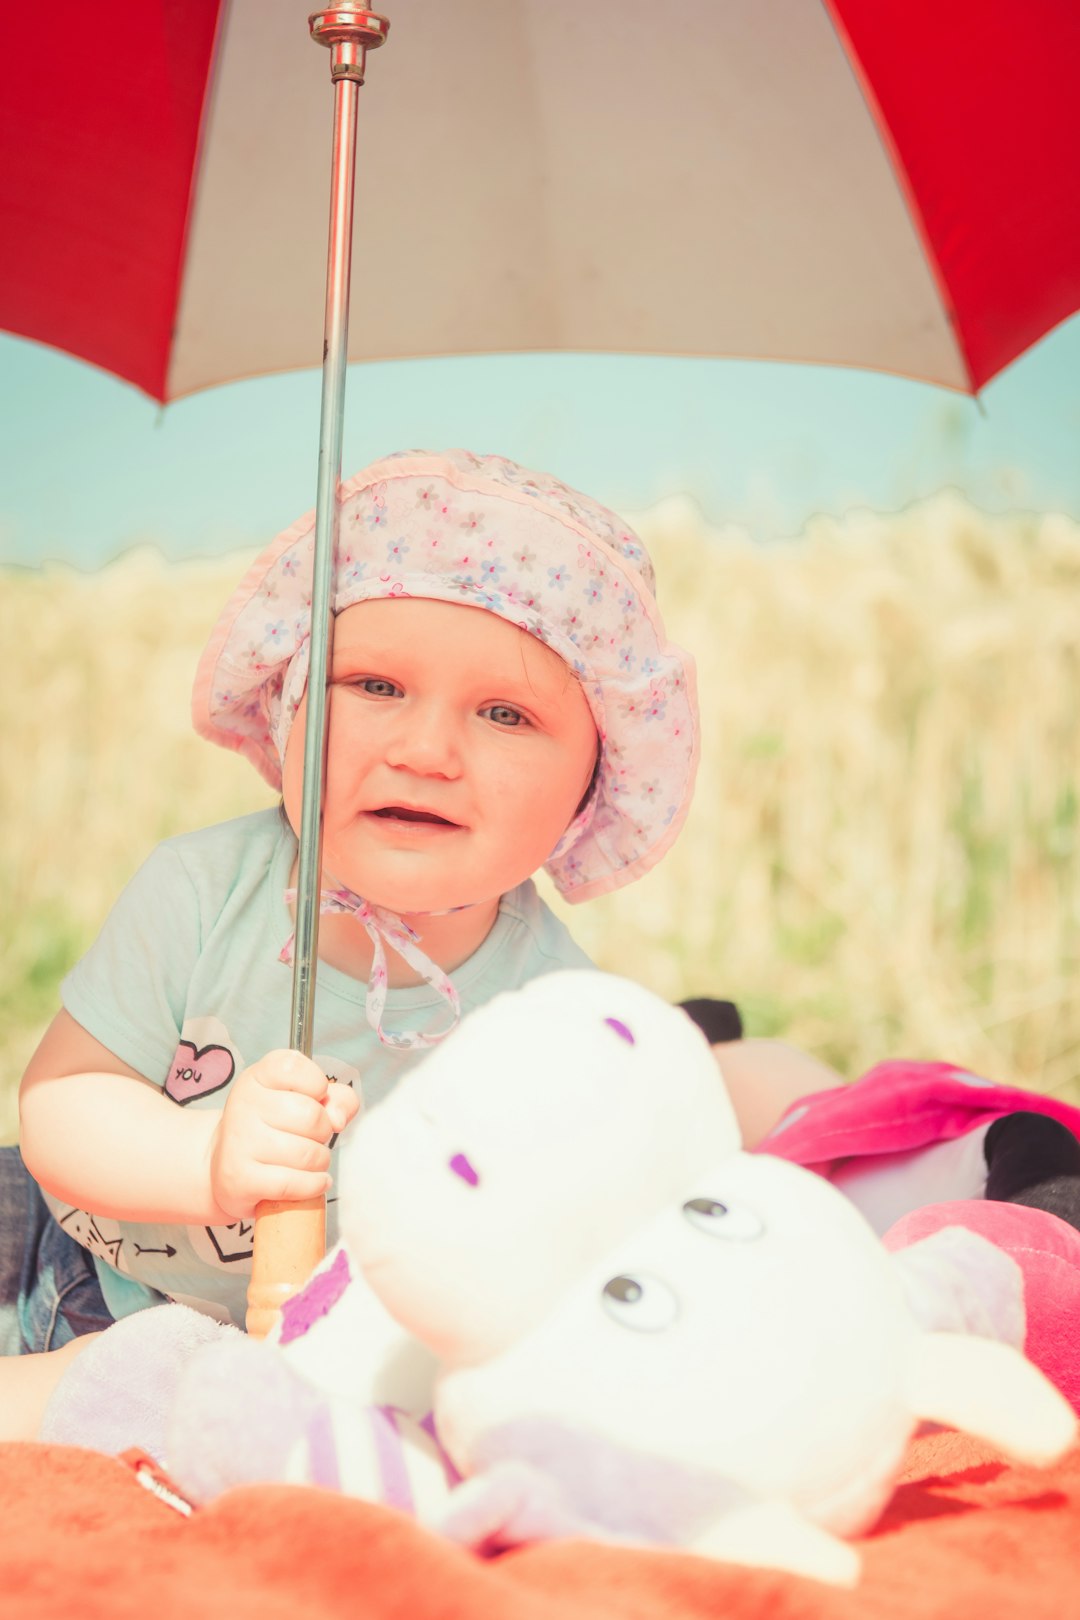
420, 813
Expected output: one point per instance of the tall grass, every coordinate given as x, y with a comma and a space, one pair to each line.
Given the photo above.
884, 853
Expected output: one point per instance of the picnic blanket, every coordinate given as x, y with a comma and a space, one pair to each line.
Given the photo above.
966, 1534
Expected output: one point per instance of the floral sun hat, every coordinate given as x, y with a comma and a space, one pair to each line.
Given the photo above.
486, 533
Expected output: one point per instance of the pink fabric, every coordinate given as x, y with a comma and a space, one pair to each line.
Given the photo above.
898, 1106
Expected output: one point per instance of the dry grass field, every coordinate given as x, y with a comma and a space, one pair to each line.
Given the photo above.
884, 854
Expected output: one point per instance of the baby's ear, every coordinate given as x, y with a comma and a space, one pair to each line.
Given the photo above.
993, 1392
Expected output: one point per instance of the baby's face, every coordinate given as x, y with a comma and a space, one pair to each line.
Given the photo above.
460, 748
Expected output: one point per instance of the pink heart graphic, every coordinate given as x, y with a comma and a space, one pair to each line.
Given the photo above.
196, 1072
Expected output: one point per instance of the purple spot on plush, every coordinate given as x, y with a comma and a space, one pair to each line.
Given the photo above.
460, 1165
300, 1313
620, 1029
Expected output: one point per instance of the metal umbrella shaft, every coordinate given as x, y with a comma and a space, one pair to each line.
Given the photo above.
290, 1239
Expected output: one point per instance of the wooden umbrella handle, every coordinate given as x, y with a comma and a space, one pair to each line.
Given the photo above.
290, 1240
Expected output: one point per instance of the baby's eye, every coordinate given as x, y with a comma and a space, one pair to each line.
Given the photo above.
377, 686
504, 715
640, 1302
722, 1220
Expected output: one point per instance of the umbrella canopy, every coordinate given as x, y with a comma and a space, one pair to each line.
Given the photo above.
845, 181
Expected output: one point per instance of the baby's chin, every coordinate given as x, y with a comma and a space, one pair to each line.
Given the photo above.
420, 901
389, 884
418, 911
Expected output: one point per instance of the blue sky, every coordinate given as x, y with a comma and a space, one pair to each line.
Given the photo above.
89, 467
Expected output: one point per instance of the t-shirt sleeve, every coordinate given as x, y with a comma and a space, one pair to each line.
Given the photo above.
130, 989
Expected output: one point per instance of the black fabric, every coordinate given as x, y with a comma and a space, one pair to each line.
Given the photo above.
717, 1020
1034, 1160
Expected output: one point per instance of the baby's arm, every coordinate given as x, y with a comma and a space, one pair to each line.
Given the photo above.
764, 1078
100, 1136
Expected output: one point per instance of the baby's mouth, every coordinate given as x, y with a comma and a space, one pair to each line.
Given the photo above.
401, 812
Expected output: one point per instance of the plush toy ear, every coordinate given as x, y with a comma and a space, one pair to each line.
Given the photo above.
991, 1391
956, 1281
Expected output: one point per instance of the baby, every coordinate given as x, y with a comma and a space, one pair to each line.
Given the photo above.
503, 699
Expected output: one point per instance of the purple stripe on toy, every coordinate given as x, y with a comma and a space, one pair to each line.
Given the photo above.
452, 1476
322, 1450
303, 1310
620, 1029
390, 1457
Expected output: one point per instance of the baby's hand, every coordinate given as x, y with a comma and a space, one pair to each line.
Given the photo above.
272, 1140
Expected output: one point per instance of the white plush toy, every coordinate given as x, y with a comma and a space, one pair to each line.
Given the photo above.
556, 1118
643, 1333
740, 1377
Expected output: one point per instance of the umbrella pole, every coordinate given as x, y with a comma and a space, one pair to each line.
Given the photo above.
290, 1239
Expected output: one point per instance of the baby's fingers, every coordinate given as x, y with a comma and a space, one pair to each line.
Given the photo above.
279, 1185
298, 1116
284, 1150
342, 1105
291, 1071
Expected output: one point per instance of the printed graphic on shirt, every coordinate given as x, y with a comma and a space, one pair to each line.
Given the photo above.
204, 1062
100, 1236
198, 1071
230, 1245
337, 1069
164, 1251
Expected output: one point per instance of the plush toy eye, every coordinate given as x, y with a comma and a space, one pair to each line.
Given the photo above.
640, 1302
720, 1220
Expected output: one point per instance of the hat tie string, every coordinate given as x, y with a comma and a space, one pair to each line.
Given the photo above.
387, 928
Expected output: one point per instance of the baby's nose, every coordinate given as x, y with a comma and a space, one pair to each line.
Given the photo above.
427, 744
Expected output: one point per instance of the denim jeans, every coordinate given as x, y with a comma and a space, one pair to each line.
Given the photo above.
49, 1291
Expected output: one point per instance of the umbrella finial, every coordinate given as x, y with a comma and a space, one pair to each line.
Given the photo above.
350, 31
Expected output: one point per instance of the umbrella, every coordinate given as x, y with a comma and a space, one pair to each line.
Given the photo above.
844, 181
856, 182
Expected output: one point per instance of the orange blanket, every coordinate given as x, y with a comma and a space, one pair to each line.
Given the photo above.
967, 1537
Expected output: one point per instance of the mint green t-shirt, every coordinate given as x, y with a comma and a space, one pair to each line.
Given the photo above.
184, 983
